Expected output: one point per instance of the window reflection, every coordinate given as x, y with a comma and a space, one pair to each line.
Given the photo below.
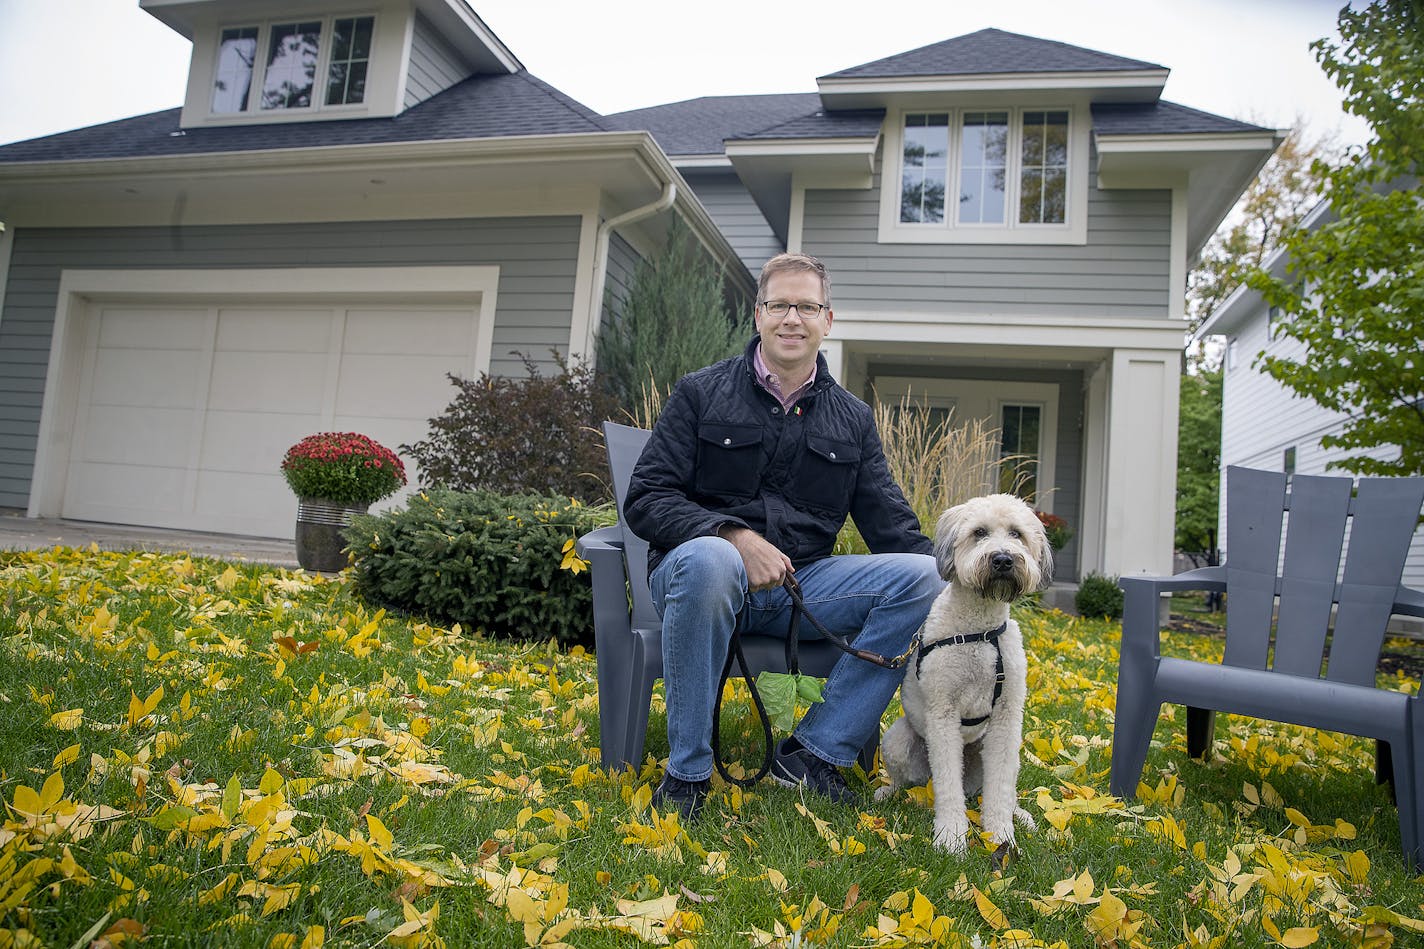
926, 165
237, 52
291, 65
350, 56
1044, 179
1019, 450
984, 161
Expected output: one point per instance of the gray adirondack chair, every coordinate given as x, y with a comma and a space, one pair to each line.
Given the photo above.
628, 631
1274, 670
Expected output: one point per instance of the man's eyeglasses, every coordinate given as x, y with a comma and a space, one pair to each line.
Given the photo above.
779, 308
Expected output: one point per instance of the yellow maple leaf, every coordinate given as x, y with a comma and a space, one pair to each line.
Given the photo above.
992, 914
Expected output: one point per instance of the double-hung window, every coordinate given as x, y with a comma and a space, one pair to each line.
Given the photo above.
984, 173
298, 64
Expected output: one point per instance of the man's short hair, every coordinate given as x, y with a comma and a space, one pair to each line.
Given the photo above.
794, 263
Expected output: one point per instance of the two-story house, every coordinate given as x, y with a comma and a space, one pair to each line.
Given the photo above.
355, 199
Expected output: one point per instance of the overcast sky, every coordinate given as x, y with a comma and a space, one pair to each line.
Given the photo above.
1246, 59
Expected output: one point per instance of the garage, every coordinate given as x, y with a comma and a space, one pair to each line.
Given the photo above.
184, 407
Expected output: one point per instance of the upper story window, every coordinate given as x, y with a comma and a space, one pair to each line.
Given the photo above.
276, 65
995, 167
994, 175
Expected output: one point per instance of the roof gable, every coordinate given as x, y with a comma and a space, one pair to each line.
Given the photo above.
992, 52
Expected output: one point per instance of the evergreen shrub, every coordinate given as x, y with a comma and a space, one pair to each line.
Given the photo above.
537, 435
494, 563
674, 319
1099, 596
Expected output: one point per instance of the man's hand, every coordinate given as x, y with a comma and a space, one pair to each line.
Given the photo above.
766, 566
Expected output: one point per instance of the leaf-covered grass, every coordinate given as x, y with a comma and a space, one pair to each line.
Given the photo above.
200, 753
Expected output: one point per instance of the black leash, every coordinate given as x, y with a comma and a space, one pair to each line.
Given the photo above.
793, 666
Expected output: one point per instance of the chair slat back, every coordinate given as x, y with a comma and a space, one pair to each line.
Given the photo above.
1254, 502
1386, 516
1313, 591
625, 444
1315, 537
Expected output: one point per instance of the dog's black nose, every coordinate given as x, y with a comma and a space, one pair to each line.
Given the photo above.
1002, 562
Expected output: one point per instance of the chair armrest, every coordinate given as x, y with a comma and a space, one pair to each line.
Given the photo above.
1408, 602
1203, 578
601, 538
1141, 626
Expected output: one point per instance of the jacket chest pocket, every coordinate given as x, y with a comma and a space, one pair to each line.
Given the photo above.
828, 473
728, 459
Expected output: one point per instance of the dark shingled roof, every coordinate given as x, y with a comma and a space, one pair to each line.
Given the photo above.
699, 126
520, 104
479, 107
1161, 118
862, 123
991, 51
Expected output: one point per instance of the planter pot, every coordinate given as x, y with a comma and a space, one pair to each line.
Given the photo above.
320, 522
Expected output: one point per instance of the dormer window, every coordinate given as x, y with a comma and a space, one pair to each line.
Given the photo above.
990, 175
1001, 161
275, 65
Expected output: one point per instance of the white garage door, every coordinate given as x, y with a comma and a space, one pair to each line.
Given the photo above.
184, 412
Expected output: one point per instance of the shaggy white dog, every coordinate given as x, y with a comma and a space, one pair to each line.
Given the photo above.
963, 723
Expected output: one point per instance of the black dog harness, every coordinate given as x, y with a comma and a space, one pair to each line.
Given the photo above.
990, 636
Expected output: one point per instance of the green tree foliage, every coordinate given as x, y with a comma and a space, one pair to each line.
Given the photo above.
1354, 293
1289, 184
1198, 459
673, 320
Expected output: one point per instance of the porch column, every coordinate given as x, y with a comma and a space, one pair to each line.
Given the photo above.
1140, 501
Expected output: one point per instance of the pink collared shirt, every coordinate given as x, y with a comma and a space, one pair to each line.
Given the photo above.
769, 381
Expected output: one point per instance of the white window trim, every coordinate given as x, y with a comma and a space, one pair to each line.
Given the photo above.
989, 396
1075, 229
318, 109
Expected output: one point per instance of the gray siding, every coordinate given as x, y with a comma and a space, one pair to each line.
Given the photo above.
1068, 462
622, 263
737, 216
537, 258
434, 64
1121, 271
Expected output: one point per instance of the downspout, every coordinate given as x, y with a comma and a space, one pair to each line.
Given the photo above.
600, 253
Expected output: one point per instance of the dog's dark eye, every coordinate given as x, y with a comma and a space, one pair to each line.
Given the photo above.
1014, 534
981, 532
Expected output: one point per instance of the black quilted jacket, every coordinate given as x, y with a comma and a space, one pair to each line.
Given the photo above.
724, 452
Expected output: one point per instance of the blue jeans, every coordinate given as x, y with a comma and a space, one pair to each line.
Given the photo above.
700, 588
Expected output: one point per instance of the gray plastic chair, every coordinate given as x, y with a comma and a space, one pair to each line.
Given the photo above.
628, 642
1274, 670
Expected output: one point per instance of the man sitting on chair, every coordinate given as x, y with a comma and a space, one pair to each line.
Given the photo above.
747, 477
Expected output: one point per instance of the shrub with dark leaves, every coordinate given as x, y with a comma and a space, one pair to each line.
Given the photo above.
534, 435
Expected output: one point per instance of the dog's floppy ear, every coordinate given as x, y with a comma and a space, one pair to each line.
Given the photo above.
1045, 557
946, 534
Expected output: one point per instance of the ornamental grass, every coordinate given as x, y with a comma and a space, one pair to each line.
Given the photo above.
346, 468
197, 752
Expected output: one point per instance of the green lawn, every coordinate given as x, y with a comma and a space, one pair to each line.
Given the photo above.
202, 753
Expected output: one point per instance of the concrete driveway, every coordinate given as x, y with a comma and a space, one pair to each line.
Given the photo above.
18, 532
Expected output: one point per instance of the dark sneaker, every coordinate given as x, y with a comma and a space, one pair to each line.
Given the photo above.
800, 767
685, 796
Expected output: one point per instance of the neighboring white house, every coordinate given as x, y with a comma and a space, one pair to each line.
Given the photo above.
1263, 424
355, 198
